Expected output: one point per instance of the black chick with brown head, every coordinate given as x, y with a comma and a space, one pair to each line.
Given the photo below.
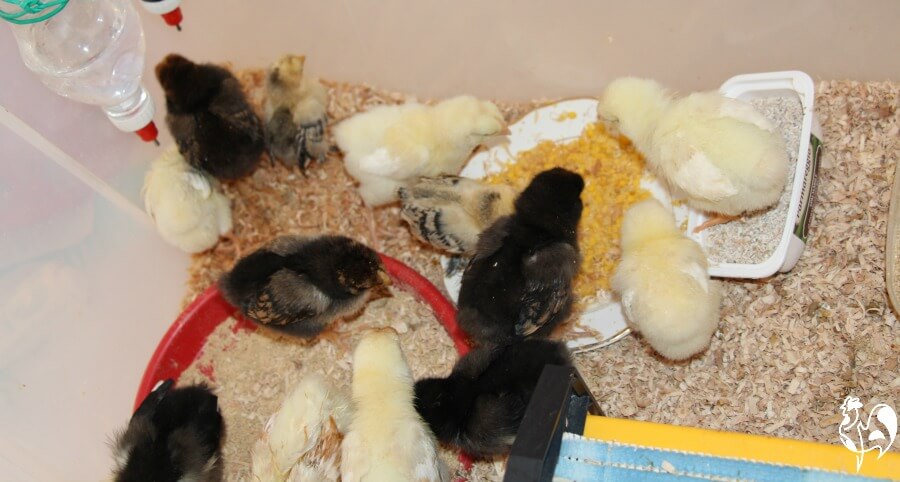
208, 115
175, 435
519, 283
298, 285
480, 406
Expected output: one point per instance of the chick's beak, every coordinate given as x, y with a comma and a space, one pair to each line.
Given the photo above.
384, 277
609, 119
500, 136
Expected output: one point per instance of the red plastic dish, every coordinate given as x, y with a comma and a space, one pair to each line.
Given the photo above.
184, 340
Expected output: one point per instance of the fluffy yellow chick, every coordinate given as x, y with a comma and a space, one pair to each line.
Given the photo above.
387, 441
189, 210
387, 146
303, 438
295, 113
662, 280
719, 153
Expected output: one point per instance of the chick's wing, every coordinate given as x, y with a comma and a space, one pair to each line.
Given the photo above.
697, 175
548, 275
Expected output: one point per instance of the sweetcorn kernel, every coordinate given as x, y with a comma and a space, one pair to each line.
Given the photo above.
612, 170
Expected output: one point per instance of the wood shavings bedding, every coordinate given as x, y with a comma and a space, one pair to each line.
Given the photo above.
787, 352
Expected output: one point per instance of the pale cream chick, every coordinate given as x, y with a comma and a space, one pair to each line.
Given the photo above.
302, 440
388, 146
189, 210
720, 154
663, 283
388, 441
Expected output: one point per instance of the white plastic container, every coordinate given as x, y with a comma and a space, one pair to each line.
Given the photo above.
803, 190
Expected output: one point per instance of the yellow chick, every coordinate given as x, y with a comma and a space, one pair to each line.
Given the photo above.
295, 113
662, 280
302, 439
387, 441
722, 155
189, 210
387, 146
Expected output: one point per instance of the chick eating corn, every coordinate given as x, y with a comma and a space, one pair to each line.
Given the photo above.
612, 170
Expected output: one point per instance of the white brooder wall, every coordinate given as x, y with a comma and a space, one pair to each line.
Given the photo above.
86, 286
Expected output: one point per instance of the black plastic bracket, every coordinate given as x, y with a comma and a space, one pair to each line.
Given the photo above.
561, 402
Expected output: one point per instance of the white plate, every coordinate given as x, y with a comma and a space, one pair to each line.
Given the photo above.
551, 123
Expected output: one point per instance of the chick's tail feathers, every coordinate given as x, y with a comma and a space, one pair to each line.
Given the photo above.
248, 273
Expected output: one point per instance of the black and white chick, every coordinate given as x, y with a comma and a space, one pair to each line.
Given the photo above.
298, 285
450, 212
519, 283
479, 407
296, 113
175, 435
210, 118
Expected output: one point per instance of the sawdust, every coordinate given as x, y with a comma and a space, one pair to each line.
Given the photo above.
788, 350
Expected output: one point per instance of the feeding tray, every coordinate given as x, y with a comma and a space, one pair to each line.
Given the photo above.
184, 340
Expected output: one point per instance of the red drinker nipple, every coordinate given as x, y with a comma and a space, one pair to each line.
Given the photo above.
148, 133
173, 18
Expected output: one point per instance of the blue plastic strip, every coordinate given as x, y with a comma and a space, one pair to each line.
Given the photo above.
586, 460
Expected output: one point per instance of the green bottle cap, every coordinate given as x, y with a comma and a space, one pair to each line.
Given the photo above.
21, 12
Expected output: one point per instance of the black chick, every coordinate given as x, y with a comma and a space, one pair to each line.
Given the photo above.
175, 435
480, 406
519, 283
299, 285
210, 118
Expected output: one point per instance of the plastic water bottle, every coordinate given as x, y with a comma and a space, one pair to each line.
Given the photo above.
91, 51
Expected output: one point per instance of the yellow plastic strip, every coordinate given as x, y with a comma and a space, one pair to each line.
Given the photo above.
742, 446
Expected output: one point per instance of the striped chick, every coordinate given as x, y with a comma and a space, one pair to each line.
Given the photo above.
450, 212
